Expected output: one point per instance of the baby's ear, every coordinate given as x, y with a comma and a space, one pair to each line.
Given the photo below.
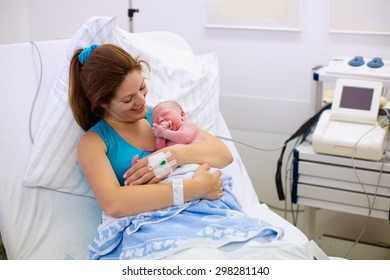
182, 115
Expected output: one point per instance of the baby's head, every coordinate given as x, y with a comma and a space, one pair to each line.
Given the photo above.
168, 114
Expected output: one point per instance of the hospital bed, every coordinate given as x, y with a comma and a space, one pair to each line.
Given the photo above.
47, 210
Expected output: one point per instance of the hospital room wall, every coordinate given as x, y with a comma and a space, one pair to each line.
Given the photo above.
265, 75
26, 20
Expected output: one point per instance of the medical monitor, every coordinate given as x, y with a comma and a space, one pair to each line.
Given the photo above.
356, 100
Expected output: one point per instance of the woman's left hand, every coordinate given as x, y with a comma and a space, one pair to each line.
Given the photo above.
140, 173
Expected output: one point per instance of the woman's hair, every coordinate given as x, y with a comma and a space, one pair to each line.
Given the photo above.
95, 82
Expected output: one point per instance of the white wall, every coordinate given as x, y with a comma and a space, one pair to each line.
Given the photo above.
13, 21
36, 20
265, 75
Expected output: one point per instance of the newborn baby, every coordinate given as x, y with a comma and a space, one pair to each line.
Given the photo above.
171, 127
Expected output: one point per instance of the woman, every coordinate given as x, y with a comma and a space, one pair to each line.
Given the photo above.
107, 95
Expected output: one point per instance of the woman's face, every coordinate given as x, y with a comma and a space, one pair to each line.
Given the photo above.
129, 102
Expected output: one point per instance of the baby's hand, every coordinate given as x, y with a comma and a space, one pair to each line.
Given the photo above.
158, 130
166, 124
134, 160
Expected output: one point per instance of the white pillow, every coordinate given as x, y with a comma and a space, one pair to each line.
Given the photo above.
179, 75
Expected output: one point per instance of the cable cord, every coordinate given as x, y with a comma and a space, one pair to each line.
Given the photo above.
287, 172
36, 91
370, 205
250, 146
369, 210
304, 131
285, 209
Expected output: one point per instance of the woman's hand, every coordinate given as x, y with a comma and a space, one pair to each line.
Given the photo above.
140, 173
208, 184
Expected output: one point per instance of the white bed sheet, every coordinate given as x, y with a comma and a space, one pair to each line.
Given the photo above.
38, 223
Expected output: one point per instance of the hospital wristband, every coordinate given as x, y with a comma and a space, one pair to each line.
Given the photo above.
178, 193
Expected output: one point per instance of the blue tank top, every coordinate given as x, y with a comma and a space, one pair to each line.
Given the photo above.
119, 151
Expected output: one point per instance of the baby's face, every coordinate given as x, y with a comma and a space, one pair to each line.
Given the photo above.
170, 117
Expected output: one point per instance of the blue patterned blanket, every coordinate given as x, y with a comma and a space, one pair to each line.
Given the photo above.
158, 234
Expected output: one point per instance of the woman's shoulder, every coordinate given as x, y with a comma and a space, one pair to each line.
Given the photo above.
90, 136
93, 135
104, 130
90, 141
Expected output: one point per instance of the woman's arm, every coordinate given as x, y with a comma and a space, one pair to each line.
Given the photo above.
120, 201
210, 150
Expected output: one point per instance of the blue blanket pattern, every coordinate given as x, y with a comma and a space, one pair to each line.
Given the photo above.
157, 234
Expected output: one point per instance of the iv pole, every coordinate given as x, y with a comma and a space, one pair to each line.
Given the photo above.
130, 13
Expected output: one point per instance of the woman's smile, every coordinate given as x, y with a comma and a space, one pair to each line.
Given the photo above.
139, 109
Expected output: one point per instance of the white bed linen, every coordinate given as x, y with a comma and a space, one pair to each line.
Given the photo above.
38, 223
35, 223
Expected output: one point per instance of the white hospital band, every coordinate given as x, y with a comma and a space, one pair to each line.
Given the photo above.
178, 194
160, 165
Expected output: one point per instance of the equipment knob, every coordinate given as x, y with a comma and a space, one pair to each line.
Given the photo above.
356, 61
375, 63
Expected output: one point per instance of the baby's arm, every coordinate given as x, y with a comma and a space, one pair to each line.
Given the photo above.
161, 143
184, 135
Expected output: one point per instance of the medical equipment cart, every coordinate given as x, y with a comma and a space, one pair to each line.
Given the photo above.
334, 182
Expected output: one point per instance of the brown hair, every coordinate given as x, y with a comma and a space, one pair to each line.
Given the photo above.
95, 82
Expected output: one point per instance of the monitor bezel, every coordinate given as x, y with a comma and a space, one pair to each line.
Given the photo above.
356, 115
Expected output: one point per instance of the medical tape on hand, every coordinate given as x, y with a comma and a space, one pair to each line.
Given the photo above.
178, 193
160, 165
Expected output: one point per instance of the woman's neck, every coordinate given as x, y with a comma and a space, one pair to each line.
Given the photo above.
138, 133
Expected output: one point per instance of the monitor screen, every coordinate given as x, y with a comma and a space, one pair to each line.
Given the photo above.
356, 98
